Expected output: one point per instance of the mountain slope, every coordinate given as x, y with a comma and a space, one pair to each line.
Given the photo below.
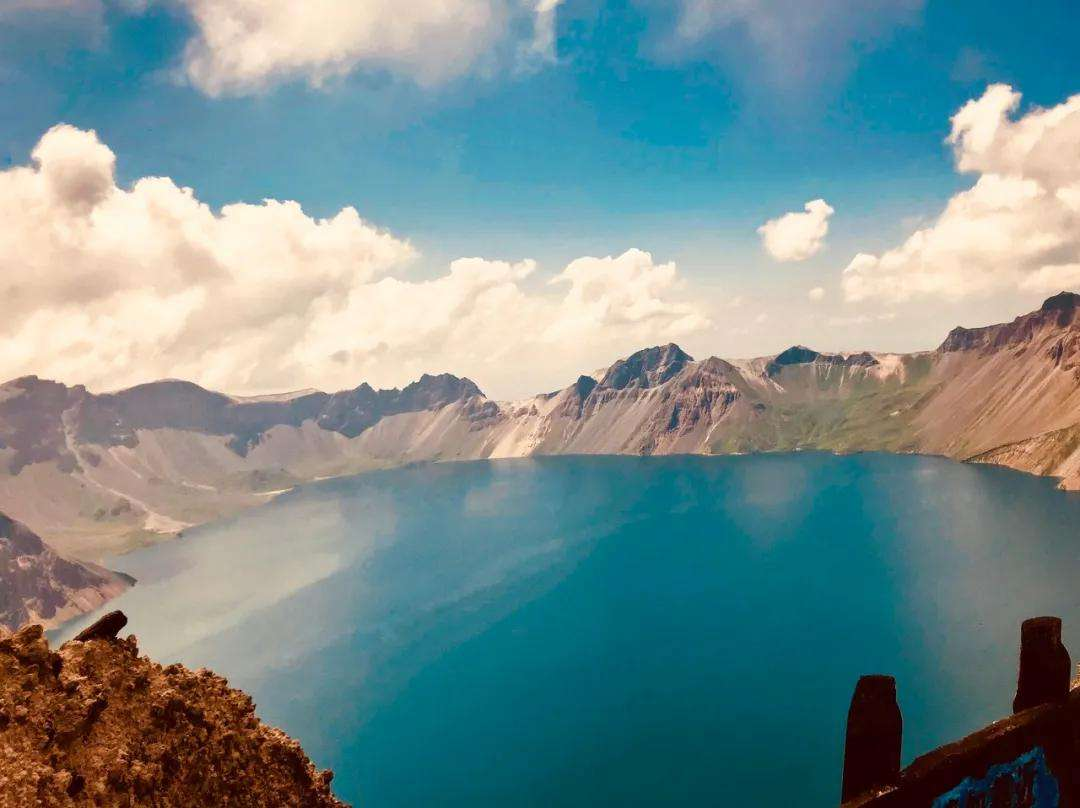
37, 585
96, 474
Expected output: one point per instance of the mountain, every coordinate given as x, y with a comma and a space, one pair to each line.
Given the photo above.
100, 473
93, 723
37, 585
95, 473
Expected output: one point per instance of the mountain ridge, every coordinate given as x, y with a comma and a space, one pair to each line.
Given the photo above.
97, 474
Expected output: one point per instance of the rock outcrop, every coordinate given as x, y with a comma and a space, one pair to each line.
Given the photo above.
38, 585
95, 724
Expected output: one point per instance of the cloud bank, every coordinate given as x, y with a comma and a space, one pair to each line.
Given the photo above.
797, 236
111, 286
1017, 228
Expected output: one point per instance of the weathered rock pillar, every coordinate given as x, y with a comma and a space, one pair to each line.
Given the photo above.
874, 730
1044, 664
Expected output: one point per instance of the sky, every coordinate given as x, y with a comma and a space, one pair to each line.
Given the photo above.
261, 195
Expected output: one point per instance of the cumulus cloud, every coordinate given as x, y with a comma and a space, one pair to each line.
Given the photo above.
622, 292
797, 236
245, 45
111, 286
816, 294
1016, 228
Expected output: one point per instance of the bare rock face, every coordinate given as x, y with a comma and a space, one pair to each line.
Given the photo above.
1058, 313
647, 368
38, 584
94, 724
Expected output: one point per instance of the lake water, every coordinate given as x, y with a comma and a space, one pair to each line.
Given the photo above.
620, 631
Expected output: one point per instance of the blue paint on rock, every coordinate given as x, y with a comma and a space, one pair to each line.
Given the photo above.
1026, 781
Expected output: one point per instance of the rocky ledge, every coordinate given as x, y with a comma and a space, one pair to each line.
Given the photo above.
95, 724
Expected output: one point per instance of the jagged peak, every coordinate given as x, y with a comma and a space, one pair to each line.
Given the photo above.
801, 355
584, 385
1062, 301
796, 355
32, 382
445, 383
648, 367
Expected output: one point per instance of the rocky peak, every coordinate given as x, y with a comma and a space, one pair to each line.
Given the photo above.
583, 386
795, 355
31, 428
801, 355
575, 396
650, 367
351, 412
1062, 301
432, 392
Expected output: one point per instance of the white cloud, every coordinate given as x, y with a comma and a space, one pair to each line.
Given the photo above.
816, 294
245, 45
542, 45
627, 291
1016, 228
797, 236
111, 286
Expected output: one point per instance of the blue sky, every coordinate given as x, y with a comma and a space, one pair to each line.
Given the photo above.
625, 135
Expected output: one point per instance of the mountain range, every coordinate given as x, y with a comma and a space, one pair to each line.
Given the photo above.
97, 474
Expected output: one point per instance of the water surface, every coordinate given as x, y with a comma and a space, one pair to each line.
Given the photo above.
628, 631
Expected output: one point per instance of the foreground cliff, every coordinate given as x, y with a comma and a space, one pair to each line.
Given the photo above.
96, 474
95, 724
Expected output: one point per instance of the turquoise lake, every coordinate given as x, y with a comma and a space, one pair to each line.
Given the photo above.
620, 631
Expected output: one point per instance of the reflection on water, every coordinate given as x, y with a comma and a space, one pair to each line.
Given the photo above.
633, 631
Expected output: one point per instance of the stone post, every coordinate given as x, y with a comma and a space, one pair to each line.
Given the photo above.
874, 731
1044, 664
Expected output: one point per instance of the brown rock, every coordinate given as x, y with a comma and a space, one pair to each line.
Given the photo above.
104, 629
874, 730
1044, 664
111, 729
